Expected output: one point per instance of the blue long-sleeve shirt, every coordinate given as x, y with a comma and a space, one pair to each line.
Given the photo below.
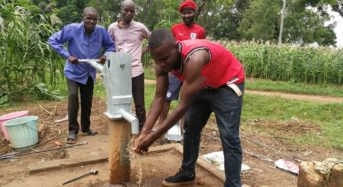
81, 46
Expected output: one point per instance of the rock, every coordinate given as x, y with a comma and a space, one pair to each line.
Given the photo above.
336, 176
308, 176
319, 174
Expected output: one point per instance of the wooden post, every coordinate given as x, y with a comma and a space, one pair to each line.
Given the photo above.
119, 156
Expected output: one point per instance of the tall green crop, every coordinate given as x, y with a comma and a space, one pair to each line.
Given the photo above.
289, 63
25, 57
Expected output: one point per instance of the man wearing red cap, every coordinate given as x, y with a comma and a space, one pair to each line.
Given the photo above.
188, 29
182, 31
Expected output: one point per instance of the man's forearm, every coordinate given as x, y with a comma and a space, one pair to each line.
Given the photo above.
153, 115
175, 116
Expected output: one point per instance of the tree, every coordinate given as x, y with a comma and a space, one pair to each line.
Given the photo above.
308, 27
220, 18
108, 10
260, 20
338, 7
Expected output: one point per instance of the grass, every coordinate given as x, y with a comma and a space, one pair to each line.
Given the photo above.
293, 87
149, 72
327, 117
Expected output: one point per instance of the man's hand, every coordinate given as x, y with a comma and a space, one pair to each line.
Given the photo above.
142, 143
73, 60
102, 59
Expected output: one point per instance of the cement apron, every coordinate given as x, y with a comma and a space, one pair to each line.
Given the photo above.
96, 152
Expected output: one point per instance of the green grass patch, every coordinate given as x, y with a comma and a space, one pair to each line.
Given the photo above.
327, 117
293, 87
149, 72
149, 95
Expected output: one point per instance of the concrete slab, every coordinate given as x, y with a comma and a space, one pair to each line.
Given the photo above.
93, 152
96, 151
200, 162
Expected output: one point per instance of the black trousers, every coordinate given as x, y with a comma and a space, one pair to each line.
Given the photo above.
138, 98
86, 93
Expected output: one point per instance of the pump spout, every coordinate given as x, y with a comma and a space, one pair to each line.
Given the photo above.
94, 63
131, 119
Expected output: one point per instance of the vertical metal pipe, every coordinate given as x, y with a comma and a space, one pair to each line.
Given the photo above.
119, 156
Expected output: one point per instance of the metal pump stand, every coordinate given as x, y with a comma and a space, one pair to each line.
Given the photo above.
117, 81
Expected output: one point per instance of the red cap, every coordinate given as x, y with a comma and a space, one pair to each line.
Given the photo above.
188, 4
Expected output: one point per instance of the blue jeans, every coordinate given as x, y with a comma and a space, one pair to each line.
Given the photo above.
227, 107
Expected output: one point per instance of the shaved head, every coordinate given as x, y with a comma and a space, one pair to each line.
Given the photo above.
89, 10
159, 37
128, 3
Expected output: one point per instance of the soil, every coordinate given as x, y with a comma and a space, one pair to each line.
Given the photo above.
272, 145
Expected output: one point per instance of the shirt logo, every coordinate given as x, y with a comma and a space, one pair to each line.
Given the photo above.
193, 35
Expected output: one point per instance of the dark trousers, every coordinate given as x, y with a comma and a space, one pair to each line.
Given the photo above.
138, 98
227, 107
86, 93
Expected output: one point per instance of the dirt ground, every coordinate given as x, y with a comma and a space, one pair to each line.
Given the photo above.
272, 145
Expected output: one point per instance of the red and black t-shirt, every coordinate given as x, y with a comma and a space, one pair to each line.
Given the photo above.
222, 67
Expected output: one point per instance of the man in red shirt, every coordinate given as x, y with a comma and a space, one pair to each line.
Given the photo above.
188, 29
182, 31
213, 81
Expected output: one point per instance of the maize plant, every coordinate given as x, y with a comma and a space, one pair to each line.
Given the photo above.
289, 63
25, 57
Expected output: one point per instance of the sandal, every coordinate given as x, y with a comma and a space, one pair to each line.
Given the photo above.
89, 133
71, 139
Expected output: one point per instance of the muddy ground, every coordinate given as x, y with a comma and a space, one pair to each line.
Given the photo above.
258, 148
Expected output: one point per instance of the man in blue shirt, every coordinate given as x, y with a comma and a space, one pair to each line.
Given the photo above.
85, 40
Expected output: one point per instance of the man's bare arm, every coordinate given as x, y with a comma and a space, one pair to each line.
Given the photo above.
158, 100
191, 86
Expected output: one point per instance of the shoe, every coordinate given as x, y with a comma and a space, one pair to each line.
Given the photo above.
89, 133
179, 178
71, 138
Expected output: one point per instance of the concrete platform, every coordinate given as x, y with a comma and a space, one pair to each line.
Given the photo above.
95, 151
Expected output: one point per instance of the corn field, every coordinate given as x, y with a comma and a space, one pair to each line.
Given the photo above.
26, 61
287, 63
